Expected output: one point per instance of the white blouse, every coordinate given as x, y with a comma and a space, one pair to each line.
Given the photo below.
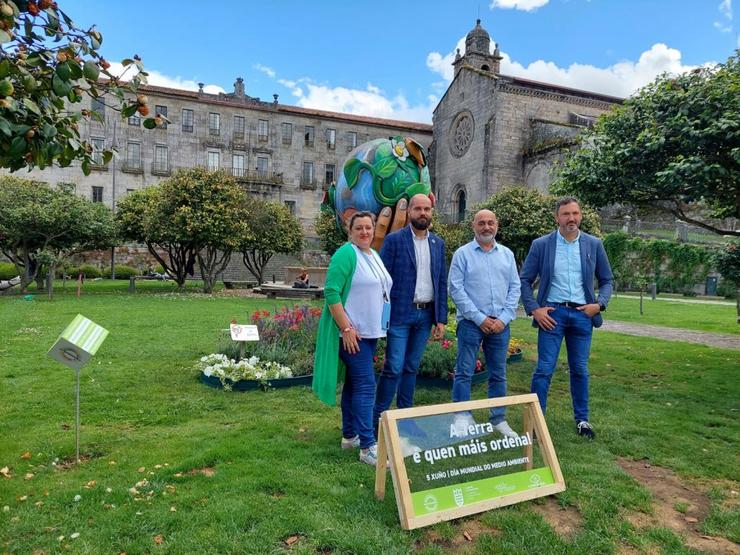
364, 304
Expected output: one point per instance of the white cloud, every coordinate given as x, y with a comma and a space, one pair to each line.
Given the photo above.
159, 79
725, 10
370, 101
620, 79
266, 70
524, 5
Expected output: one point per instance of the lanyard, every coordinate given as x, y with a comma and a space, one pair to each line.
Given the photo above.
380, 278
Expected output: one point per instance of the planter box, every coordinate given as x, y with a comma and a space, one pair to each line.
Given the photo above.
252, 385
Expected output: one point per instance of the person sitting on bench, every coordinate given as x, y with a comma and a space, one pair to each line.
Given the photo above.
301, 281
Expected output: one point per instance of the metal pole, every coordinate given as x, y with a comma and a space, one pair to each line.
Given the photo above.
113, 201
78, 417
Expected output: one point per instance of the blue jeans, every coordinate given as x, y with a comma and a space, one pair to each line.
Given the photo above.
495, 347
576, 328
404, 349
358, 393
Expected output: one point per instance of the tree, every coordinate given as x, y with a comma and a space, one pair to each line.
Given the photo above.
273, 230
330, 234
727, 262
195, 215
523, 215
673, 147
48, 65
40, 227
210, 209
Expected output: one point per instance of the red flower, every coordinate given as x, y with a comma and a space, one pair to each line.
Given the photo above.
265, 313
478, 365
445, 343
256, 316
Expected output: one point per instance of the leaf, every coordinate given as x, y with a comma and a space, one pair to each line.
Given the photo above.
158, 539
127, 62
61, 87
64, 71
129, 110
4, 37
31, 105
351, 171
17, 146
25, 456
5, 471
4, 127
91, 70
386, 167
291, 540
149, 123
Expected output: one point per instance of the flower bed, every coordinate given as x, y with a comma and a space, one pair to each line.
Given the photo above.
284, 354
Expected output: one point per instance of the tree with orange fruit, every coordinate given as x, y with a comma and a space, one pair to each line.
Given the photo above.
47, 66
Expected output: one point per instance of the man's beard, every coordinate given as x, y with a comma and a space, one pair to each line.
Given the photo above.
486, 239
420, 224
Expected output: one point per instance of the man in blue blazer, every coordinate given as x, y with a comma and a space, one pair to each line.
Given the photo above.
415, 259
566, 262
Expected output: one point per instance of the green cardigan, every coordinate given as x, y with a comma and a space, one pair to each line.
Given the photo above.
326, 366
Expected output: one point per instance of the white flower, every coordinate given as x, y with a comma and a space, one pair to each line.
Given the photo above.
399, 150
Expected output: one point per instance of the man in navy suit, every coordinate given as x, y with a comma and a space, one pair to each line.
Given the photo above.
415, 259
566, 261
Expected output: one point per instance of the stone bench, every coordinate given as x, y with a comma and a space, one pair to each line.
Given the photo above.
275, 290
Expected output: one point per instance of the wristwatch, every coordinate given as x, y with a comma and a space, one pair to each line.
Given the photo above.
602, 307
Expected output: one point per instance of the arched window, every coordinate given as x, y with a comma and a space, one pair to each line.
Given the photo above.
485, 67
460, 203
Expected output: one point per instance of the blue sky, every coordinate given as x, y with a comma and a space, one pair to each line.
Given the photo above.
392, 59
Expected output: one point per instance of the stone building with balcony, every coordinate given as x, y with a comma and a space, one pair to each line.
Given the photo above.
278, 152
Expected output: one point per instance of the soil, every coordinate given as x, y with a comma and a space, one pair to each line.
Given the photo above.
669, 492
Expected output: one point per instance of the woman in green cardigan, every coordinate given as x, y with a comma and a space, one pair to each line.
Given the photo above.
356, 314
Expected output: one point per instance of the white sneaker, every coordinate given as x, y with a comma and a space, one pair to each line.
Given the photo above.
370, 455
505, 430
351, 443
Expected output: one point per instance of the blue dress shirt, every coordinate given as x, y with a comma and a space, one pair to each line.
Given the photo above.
484, 283
567, 279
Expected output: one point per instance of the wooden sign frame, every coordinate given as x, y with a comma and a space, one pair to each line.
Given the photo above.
389, 449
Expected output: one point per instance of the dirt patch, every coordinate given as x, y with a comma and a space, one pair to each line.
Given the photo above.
464, 540
670, 495
564, 520
206, 471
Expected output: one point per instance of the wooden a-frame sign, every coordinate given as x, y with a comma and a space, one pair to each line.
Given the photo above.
468, 495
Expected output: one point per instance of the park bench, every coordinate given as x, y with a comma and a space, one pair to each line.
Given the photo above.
275, 290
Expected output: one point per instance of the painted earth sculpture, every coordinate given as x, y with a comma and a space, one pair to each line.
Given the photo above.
380, 176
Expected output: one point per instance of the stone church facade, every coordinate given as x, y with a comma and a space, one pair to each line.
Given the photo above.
492, 130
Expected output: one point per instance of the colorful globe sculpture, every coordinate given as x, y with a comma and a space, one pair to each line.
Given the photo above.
379, 173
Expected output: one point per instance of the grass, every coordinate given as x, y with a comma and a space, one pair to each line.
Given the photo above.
243, 473
717, 318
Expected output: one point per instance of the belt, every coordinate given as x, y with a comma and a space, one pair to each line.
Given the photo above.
423, 306
569, 304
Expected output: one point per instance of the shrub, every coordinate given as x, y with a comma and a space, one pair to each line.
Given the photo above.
122, 272
88, 270
7, 270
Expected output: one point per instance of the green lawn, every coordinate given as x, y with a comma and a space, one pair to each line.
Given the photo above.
718, 318
243, 472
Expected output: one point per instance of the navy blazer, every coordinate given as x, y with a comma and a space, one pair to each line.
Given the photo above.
541, 261
399, 258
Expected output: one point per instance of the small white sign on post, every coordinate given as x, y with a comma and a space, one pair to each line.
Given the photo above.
77, 344
244, 332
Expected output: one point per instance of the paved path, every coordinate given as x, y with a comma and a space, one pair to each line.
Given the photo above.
720, 340
647, 298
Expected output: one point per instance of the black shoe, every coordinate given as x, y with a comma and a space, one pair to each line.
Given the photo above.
583, 428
